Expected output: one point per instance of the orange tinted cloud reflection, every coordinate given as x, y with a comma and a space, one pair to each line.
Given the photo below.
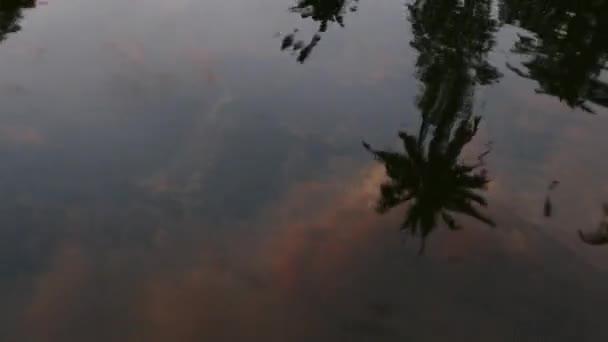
319, 255
15, 135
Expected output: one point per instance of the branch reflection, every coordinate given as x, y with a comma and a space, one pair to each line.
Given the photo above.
11, 14
323, 12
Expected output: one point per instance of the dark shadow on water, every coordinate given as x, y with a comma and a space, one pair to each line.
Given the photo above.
11, 14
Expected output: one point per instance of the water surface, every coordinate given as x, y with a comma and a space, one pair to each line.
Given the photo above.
310, 170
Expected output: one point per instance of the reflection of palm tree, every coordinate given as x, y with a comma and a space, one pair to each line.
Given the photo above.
322, 11
453, 39
10, 14
433, 180
571, 49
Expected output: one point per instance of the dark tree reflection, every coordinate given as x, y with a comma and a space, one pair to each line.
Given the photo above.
10, 15
453, 39
600, 235
325, 12
432, 179
568, 51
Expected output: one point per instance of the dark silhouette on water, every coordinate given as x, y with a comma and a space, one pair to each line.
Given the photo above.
11, 14
431, 177
324, 12
599, 236
568, 51
288, 40
453, 40
548, 206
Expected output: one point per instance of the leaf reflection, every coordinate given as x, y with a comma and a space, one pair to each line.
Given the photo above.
11, 14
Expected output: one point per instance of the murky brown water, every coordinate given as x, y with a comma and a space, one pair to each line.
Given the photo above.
240, 170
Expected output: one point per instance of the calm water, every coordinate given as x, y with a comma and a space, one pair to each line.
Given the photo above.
310, 170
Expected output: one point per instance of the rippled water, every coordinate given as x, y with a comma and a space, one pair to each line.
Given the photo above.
303, 170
